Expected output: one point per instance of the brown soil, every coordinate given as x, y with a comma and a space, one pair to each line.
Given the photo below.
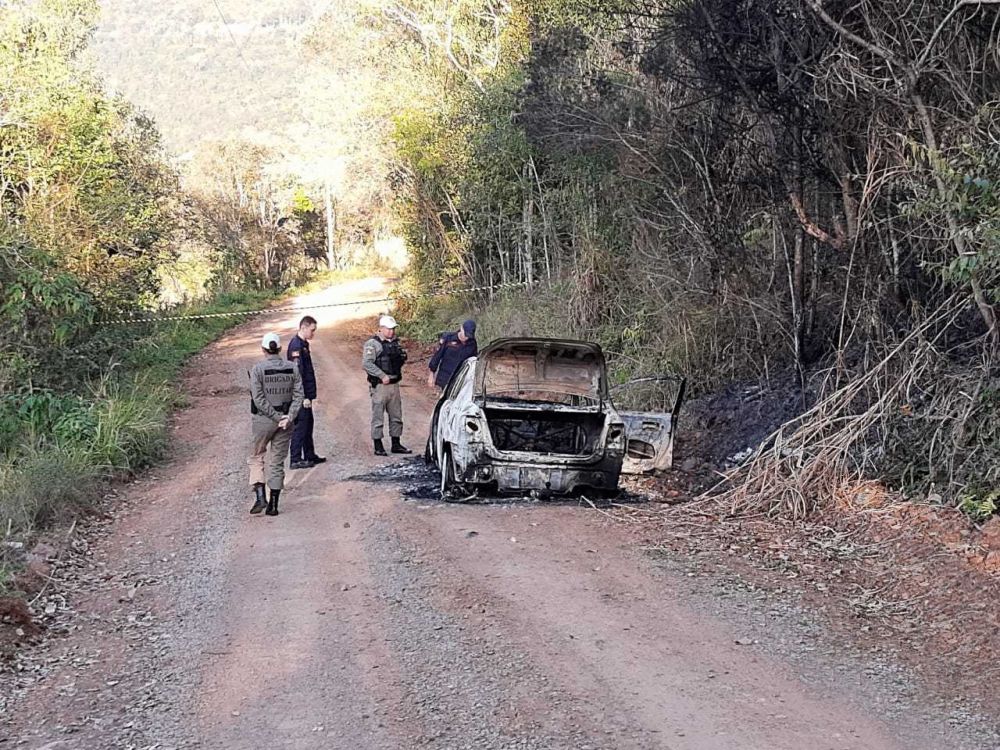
918, 582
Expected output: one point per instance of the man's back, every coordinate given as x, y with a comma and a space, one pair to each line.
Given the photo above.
451, 353
274, 387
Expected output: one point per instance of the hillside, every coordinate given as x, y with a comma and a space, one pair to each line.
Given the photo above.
202, 79
298, 83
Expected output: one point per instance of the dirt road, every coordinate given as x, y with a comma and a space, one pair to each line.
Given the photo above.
359, 618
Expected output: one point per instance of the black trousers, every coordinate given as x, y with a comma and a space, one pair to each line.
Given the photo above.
302, 448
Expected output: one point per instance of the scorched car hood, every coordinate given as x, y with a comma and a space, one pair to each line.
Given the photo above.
542, 370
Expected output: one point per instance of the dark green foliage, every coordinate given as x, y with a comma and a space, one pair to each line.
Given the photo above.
88, 213
85, 196
57, 448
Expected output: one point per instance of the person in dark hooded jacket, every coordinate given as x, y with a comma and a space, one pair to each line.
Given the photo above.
453, 349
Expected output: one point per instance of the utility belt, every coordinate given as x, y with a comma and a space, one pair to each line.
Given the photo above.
375, 382
281, 408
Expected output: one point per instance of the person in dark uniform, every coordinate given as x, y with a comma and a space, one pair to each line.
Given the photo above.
382, 359
303, 452
453, 349
275, 401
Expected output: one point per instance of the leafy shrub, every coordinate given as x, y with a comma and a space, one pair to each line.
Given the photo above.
129, 425
979, 506
57, 448
45, 482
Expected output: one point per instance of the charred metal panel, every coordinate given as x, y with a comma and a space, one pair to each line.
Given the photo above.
542, 370
649, 442
547, 479
650, 445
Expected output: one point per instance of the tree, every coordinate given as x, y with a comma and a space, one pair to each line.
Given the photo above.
85, 195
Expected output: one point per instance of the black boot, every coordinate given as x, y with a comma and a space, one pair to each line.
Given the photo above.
272, 504
261, 502
398, 447
379, 448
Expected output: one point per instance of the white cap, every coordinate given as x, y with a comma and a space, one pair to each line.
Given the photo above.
387, 321
271, 342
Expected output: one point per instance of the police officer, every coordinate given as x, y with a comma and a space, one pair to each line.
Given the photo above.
303, 454
275, 401
453, 349
383, 359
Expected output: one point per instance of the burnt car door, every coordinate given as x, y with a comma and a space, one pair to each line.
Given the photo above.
461, 374
650, 434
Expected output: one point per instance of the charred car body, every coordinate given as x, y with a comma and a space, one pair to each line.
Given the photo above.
534, 415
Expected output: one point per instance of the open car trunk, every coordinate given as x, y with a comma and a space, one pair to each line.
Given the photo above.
545, 372
560, 431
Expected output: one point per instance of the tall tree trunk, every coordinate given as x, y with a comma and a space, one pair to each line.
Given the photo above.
502, 250
546, 229
331, 228
793, 269
810, 325
527, 222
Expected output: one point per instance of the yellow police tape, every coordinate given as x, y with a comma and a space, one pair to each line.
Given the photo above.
266, 310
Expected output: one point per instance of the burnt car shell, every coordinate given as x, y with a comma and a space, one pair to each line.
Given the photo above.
528, 415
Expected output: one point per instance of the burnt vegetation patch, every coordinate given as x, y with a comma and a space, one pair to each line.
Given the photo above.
416, 480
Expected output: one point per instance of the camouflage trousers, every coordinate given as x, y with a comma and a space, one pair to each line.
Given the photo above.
270, 447
386, 400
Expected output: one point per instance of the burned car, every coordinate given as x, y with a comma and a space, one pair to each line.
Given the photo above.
534, 415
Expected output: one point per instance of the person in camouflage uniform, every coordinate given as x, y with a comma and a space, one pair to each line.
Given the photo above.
275, 399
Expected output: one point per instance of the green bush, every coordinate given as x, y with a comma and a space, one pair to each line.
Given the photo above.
425, 319
979, 507
510, 313
6, 574
45, 482
129, 425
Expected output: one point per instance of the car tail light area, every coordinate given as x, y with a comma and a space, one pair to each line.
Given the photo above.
616, 438
475, 429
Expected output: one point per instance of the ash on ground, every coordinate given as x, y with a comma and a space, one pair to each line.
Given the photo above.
419, 481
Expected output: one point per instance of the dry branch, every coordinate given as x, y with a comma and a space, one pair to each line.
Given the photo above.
809, 460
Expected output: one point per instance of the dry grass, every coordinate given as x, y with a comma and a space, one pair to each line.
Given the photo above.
824, 455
